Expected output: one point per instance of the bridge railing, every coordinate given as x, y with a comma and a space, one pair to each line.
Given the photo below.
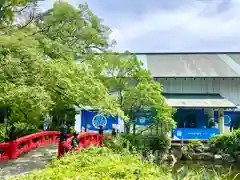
5, 151
13, 149
86, 139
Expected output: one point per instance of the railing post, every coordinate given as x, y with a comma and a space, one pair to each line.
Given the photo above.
63, 138
60, 149
30, 144
42, 140
50, 139
54, 139
13, 150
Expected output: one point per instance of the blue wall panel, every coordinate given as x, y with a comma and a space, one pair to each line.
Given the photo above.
201, 118
228, 117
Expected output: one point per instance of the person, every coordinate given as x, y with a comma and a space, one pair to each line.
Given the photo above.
117, 132
114, 133
63, 130
100, 131
75, 140
12, 133
234, 125
210, 123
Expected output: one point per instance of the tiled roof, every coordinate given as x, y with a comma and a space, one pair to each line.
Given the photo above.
192, 64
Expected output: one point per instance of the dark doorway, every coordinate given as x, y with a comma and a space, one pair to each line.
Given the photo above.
186, 118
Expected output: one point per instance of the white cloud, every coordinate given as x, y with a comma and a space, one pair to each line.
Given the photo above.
194, 27
167, 25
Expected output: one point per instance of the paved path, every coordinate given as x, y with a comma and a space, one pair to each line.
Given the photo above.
33, 160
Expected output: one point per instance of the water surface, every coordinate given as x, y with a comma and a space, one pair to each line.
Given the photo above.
230, 170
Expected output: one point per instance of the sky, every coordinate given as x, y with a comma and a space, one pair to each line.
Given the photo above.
169, 25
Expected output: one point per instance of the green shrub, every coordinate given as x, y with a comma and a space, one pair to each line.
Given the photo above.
116, 144
159, 142
21, 129
99, 164
193, 144
228, 143
134, 141
104, 164
2, 133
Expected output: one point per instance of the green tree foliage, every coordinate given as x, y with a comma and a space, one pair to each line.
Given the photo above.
226, 143
20, 81
10, 8
39, 74
147, 96
77, 28
133, 87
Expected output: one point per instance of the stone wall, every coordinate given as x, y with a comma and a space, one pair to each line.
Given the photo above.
201, 153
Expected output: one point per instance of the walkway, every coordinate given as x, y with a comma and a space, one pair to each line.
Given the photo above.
33, 160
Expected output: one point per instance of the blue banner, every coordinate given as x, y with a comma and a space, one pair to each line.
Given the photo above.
229, 117
145, 117
93, 120
194, 133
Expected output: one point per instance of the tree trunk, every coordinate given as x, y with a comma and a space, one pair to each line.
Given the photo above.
127, 128
134, 128
120, 98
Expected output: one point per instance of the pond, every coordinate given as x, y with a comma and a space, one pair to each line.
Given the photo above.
230, 170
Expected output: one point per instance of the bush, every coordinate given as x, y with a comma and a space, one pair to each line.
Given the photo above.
2, 133
159, 142
97, 164
136, 143
118, 144
228, 143
21, 129
104, 164
194, 144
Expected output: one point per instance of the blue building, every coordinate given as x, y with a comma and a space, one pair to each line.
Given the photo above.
203, 87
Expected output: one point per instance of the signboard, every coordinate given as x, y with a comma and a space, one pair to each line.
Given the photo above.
145, 117
194, 133
229, 117
99, 120
94, 120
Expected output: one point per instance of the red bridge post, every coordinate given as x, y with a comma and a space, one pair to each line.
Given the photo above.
60, 149
13, 150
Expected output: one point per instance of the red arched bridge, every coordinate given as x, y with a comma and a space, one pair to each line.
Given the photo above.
14, 149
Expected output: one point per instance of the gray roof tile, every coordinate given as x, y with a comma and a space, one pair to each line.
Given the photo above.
192, 65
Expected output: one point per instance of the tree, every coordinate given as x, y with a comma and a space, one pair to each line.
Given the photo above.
67, 33
20, 88
118, 71
39, 72
77, 28
32, 85
147, 97
10, 9
133, 87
